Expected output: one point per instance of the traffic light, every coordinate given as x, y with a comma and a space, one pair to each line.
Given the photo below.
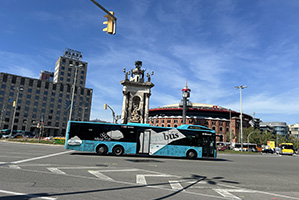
110, 24
105, 106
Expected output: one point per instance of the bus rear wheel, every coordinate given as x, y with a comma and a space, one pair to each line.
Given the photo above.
102, 150
118, 150
191, 154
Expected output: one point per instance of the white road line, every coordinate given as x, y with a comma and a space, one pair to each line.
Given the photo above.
175, 185
225, 193
55, 170
119, 170
28, 195
100, 175
82, 167
14, 167
140, 178
41, 157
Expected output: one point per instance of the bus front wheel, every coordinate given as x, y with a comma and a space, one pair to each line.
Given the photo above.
191, 154
102, 150
118, 150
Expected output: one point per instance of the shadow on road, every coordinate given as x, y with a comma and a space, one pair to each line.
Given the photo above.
190, 181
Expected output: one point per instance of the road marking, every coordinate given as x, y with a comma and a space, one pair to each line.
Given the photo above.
41, 157
28, 195
140, 178
14, 167
176, 185
100, 175
55, 170
225, 193
119, 170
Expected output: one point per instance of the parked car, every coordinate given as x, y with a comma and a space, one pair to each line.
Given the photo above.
29, 134
14, 134
222, 148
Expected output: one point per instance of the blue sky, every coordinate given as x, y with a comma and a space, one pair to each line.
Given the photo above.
215, 44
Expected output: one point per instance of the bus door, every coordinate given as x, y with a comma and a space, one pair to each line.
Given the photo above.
208, 146
144, 141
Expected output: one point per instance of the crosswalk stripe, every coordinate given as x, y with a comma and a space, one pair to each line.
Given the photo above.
100, 175
14, 167
56, 170
140, 178
175, 185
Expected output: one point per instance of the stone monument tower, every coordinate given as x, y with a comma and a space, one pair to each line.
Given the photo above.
136, 92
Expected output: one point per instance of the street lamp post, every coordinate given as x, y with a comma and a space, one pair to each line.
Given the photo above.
230, 127
15, 110
83, 113
114, 120
249, 136
241, 118
73, 92
1, 117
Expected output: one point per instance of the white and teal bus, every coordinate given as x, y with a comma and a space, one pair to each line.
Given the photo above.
191, 141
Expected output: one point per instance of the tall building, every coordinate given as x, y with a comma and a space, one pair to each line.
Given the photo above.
26, 103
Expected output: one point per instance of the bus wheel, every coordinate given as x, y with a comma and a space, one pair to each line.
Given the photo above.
191, 154
118, 150
102, 150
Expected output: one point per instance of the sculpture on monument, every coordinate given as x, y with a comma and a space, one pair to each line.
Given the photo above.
136, 95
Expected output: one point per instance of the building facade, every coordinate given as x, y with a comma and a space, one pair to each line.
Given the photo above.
225, 122
28, 103
280, 128
294, 130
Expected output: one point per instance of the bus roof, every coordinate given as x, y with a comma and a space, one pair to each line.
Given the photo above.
182, 127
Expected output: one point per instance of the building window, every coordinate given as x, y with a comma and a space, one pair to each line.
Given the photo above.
4, 78
220, 129
22, 81
14, 79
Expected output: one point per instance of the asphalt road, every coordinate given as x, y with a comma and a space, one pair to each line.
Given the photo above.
31, 171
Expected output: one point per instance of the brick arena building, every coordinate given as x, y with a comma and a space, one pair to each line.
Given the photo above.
224, 121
